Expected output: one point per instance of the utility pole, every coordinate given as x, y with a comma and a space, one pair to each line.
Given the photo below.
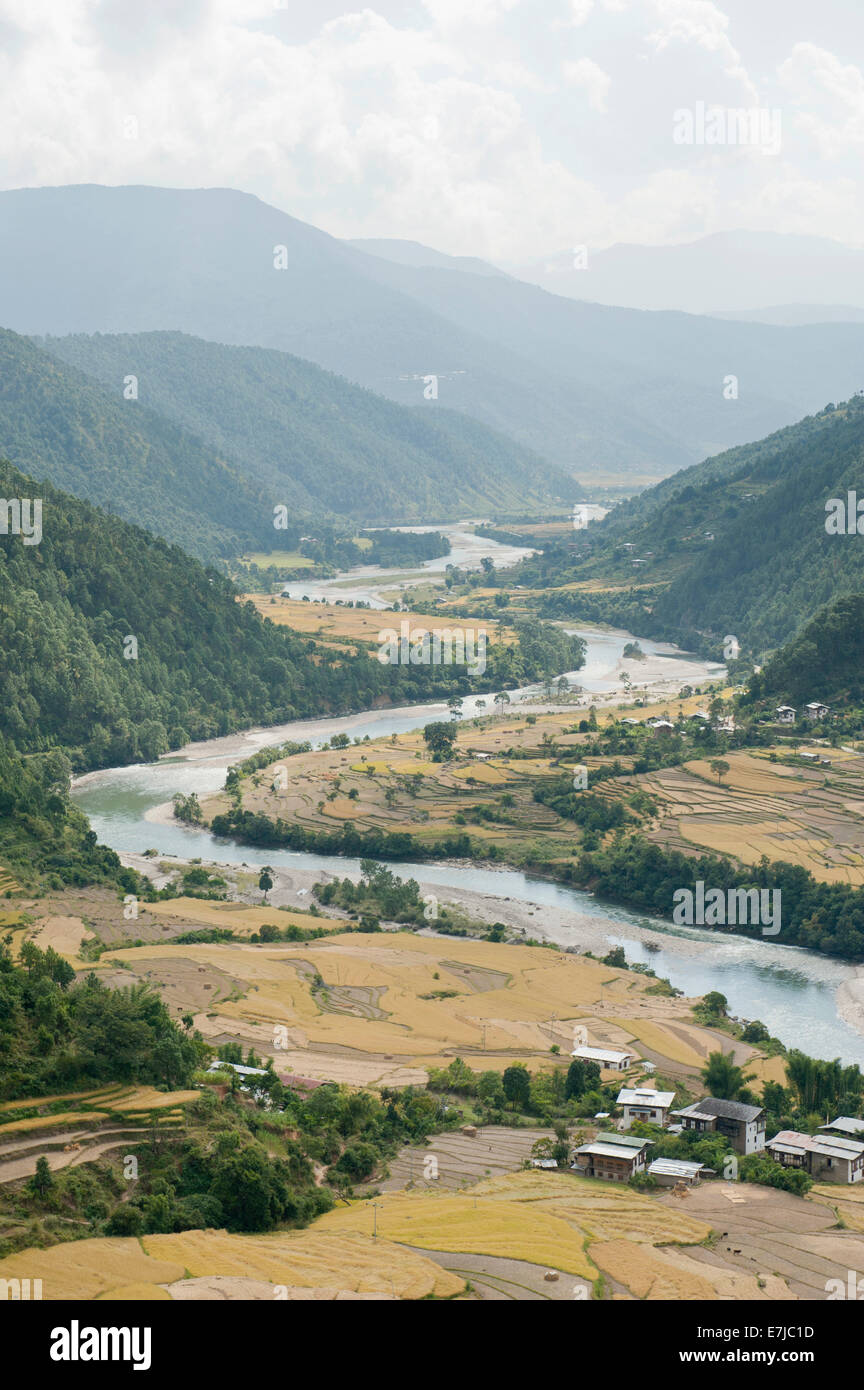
375, 1206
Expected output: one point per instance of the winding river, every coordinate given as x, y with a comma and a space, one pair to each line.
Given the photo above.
791, 990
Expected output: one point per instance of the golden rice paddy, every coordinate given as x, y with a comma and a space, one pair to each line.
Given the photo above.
315, 1259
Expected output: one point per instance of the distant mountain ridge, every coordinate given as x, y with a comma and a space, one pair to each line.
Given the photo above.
598, 392
62, 426
738, 272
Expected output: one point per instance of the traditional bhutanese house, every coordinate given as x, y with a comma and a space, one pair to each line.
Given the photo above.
651, 1107
661, 727
825, 1157
846, 1126
669, 1172
614, 1157
816, 711
743, 1125
785, 714
608, 1058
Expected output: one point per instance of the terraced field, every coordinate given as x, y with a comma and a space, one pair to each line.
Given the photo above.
805, 814
393, 786
369, 1006
288, 1265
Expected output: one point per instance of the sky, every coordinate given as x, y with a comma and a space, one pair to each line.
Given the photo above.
507, 129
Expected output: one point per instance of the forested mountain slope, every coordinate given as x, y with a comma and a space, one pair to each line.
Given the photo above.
314, 441
824, 662
739, 544
60, 425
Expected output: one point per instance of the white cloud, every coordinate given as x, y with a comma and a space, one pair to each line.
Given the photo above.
828, 97
700, 24
591, 78
465, 126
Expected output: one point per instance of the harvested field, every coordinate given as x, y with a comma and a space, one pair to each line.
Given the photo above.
323, 1265
461, 1160
326, 620
376, 996
800, 812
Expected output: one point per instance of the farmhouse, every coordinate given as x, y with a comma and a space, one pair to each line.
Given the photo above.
785, 714
845, 1126
605, 1057
816, 711
669, 1172
615, 1157
661, 727
825, 1157
649, 1106
743, 1125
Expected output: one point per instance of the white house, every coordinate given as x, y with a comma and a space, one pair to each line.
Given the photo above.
640, 1103
816, 711
743, 1125
606, 1057
785, 714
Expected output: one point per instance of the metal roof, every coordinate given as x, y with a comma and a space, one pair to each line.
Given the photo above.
598, 1053
643, 1096
675, 1167
847, 1123
608, 1151
713, 1109
626, 1141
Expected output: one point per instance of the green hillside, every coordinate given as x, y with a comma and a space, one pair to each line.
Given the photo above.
314, 441
118, 647
824, 662
61, 425
737, 545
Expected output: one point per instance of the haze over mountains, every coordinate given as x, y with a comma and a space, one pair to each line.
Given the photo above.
600, 393
766, 276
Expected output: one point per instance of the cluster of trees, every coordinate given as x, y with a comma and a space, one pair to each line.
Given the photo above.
56, 1034
43, 837
498, 1096
244, 1164
825, 917
378, 892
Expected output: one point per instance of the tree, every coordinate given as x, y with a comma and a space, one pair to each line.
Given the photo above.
716, 1003
723, 1078
43, 1179
719, 768
516, 1081
265, 882
502, 699
439, 739
582, 1076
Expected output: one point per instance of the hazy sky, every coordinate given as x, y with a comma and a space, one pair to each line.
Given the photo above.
501, 128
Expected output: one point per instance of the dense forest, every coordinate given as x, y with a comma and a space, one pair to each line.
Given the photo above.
826, 917
316, 442
735, 545
62, 426
824, 662
56, 1032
